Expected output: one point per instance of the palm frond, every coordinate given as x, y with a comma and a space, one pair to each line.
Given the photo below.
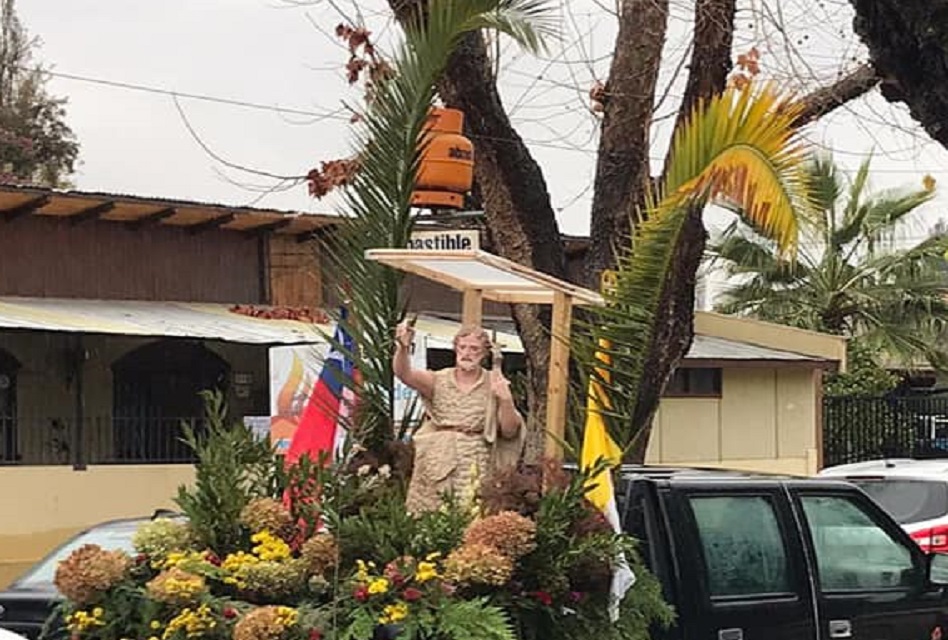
888, 297
377, 202
739, 146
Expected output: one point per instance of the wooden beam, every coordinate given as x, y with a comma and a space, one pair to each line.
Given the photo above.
208, 225
558, 383
150, 218
91, 213
267, 227
472, 307
25, 208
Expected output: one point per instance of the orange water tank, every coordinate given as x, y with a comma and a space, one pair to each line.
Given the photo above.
446, 170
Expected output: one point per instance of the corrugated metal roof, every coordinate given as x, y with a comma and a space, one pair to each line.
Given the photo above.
216, 322
709, 348
136, 318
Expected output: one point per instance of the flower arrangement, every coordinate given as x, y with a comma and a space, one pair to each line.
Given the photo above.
324, 551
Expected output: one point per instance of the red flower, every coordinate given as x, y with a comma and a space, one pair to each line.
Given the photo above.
361, 594
315, 634
212, 557
543, 597
411, 594
230, 613
141, 558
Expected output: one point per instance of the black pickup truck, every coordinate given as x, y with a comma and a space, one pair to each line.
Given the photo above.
774, 558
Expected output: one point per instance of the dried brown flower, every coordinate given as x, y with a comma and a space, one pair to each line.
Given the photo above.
89, 571
520, 488
176, 586
267, 514
320, 553
265, 623
478, 564
509, 532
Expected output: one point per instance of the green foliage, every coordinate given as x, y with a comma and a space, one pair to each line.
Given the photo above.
864, 376
378, 199
851, 276
36, 144
232, 467
739, 147
464, 620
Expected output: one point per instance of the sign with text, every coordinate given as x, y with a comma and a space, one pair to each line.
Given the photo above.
448, 240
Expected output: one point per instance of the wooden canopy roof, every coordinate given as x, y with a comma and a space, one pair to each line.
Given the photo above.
495, 278
136, 212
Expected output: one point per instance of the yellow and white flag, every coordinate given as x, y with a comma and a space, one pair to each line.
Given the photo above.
599, 445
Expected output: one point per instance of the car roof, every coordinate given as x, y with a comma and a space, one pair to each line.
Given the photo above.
697, 474
935, 468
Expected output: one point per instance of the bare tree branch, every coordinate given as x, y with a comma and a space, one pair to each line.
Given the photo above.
849, 87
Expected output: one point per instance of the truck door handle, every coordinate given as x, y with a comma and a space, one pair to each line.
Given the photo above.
731, 634
840, 629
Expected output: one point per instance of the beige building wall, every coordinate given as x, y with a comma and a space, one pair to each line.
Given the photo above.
765, 420
43, 506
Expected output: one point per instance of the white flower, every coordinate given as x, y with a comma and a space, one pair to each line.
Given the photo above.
363, 470
385, 471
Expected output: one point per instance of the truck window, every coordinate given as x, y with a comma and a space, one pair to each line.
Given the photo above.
744, 551
853, 553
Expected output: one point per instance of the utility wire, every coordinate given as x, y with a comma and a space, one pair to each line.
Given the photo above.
336, 114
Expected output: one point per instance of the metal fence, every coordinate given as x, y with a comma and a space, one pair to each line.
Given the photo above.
97, 440
857, 428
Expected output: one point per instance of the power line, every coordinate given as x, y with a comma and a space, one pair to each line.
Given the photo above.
336, 114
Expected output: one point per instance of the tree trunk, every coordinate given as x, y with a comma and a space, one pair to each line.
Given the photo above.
520, 218
622, 168
907, 44
674, 319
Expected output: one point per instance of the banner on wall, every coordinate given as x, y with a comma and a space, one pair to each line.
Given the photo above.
293, 375
294, 371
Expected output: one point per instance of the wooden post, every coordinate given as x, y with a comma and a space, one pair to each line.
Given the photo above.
473, 307
557, 385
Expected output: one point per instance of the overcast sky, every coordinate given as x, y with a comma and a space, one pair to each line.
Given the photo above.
272, 54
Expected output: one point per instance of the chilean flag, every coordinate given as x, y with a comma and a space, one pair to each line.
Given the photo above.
321, 426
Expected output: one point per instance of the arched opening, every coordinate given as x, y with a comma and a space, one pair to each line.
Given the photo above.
156, 388
9, 366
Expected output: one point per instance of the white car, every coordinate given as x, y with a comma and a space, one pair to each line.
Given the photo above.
914, 492
9, 635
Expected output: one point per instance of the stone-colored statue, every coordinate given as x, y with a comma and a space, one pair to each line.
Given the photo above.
471, 425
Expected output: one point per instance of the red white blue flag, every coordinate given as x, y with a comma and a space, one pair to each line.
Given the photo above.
321, 430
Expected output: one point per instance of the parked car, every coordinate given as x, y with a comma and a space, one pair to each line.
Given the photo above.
27, 603
9, 635
914, 492
745, 557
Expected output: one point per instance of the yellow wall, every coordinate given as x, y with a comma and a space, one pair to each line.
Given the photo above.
42, 506
765, 420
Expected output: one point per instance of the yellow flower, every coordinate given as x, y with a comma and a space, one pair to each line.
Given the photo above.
426, 571
80, 621
394, 613
154, 638
379, 585
270, 547
154, 624
362, 571
193, 622
98, 612
287, 616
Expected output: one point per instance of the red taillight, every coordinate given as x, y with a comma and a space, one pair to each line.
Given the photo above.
934, 540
